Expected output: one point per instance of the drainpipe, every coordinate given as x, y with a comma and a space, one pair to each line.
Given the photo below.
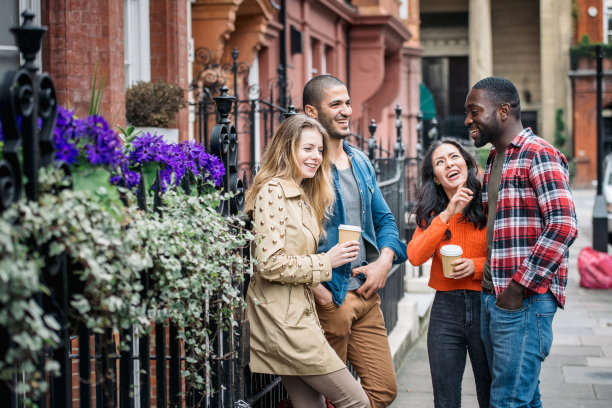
282, 69
348, 57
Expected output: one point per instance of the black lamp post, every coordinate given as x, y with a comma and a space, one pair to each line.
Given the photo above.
600, 214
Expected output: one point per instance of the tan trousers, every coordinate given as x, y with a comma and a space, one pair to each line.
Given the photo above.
356, 330
339, 387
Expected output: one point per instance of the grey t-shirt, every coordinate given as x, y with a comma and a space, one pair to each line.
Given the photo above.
492, 193
352, 207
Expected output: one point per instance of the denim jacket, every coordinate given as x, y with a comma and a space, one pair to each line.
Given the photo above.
377, 222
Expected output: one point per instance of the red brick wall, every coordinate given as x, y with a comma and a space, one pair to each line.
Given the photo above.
585, 24
585, 122
83, 34
168, 22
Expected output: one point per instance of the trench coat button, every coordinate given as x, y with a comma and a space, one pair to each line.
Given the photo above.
305, 275
282, 234
280, 274
320, 263
272, 227
264, 249
260, 209
274, 241
293, 276
282, 222
299, 265
326, 273
260, 197
271, 215
263, 222
270, 202
280, 208
269, 189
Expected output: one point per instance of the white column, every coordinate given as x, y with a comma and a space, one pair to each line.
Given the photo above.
480, 40
555, 41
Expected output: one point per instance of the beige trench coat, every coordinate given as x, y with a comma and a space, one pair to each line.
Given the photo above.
286, 336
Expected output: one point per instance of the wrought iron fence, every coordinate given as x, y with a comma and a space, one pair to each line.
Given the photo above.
148, 371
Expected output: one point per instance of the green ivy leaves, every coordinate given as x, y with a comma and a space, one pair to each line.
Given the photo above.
190, 253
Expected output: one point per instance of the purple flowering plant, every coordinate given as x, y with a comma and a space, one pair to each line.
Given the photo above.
175, 162
99, 158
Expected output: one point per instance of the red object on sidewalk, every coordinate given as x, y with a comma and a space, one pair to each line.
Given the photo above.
595, 269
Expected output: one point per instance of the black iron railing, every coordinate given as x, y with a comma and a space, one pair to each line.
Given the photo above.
148, 371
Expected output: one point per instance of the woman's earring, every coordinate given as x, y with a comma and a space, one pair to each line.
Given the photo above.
437, 182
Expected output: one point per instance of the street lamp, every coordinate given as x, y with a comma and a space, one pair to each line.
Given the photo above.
600, 214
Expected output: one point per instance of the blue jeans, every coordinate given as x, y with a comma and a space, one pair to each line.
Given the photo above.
516, 342
454, 331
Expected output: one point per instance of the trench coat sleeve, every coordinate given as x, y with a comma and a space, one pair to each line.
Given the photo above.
274, 261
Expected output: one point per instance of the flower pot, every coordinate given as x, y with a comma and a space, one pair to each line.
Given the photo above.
171, 135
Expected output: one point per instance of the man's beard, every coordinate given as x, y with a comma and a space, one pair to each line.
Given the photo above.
328, 124
487, 135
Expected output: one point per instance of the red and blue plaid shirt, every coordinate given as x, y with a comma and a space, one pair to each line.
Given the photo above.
535, 221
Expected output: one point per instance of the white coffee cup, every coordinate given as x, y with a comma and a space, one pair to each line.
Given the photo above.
348, 233
449, 254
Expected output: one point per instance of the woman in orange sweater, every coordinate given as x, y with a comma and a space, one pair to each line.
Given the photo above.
450, 211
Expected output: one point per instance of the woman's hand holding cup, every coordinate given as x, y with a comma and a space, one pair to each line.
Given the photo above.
343, 253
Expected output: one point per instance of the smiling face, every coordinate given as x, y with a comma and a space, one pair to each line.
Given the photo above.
310, 152
449, 168
335, 112
481, 118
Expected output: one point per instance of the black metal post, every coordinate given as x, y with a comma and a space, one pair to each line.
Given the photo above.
174, 376
160, 364
84, 366
600, 214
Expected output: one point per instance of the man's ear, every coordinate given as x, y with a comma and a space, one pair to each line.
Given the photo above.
504, 110
311, 111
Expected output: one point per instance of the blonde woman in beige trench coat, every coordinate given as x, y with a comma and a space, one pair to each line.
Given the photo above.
289, 200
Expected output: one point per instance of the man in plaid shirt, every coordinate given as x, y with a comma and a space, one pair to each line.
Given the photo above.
531, 224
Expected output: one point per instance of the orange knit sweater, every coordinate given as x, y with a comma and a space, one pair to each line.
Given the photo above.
428, 242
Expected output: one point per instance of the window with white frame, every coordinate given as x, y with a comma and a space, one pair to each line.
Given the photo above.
137, 41
11, 17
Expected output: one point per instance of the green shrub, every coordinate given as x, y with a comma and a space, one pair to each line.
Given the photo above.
153, 104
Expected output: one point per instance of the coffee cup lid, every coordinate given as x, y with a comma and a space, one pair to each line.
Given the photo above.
349, 227
451, 250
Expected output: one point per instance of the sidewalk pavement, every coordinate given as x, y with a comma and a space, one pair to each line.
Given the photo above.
578, 371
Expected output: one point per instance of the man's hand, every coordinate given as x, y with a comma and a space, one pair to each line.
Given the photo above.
512, 297
376, 273
322, 295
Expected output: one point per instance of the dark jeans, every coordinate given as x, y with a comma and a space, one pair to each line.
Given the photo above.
454, 329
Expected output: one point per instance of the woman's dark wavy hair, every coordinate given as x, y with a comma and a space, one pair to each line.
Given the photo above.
432, 199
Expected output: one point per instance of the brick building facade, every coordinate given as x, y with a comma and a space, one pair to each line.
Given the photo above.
591, 19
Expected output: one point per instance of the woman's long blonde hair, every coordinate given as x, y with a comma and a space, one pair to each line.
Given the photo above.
279, 160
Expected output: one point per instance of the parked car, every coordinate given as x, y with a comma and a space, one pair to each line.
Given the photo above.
607, 191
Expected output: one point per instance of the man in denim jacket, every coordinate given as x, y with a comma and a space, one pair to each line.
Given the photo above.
349, 306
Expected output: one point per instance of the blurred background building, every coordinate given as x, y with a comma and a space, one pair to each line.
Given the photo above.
526, 41
421, 55
593, 25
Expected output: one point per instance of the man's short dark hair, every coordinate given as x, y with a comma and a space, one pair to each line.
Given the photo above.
500, 90
313, 90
